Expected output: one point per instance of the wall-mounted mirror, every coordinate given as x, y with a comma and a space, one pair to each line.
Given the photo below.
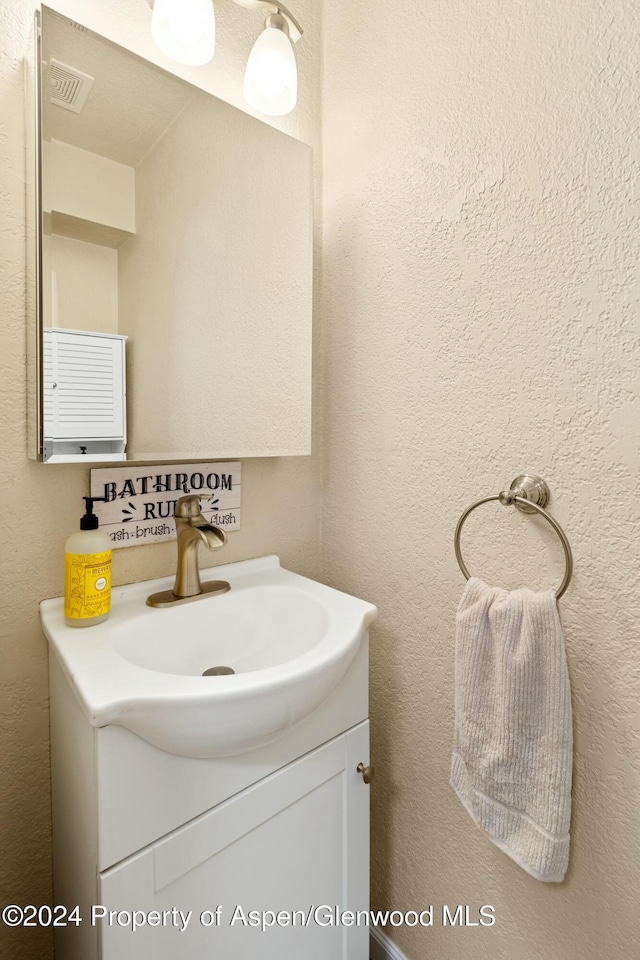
173, 282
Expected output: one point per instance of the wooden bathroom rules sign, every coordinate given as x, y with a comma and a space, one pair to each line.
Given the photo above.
139, 501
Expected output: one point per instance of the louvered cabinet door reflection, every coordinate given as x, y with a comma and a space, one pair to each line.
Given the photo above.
84, 395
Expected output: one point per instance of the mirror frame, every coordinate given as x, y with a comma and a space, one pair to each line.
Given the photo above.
33, 198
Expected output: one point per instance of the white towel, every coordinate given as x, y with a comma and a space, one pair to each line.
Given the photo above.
512, 759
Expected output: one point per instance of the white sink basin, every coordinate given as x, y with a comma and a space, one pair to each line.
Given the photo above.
289, 641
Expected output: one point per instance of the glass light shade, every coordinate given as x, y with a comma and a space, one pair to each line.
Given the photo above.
185, 30
271, 76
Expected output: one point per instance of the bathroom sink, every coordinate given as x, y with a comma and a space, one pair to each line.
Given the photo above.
272, 649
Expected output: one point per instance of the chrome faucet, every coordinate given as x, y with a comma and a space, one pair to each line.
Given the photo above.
192, 529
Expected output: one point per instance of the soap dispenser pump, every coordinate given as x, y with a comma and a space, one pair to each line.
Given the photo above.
87, 571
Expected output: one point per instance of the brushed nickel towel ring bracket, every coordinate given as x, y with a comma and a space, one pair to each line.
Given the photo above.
529, 494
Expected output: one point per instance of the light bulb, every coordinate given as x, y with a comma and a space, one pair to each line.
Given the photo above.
185, 30
271, 76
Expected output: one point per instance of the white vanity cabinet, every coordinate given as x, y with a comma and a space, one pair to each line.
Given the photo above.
282, 830
281, 854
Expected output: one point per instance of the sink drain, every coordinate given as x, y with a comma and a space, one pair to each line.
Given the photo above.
218, 672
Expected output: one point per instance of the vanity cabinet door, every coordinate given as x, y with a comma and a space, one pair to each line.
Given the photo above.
259, 877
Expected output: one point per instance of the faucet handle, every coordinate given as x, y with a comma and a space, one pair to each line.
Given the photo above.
187, 507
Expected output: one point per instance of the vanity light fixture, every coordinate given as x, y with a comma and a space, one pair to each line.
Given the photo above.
271, 75
184, 29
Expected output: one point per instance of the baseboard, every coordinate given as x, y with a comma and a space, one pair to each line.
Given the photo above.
381, 948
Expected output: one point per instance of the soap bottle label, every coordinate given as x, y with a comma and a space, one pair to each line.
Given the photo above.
87, 585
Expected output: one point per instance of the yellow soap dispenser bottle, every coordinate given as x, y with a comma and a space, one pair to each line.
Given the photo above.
87, 572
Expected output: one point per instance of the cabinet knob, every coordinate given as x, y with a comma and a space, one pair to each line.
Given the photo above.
367, 772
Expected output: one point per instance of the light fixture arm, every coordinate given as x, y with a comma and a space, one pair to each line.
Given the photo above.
267, 7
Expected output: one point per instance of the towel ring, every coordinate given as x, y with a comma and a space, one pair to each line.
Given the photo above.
530, 494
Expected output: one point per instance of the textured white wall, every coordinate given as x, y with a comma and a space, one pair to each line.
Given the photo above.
481, 318
281, 511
